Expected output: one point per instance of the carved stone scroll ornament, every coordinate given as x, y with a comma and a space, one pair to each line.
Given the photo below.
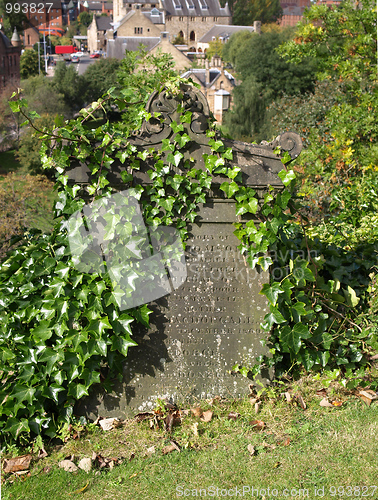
167, 104
191, 99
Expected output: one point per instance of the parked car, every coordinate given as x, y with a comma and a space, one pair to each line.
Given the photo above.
75, 59
95, 55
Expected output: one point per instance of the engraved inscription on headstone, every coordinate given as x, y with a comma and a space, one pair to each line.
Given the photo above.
202, 329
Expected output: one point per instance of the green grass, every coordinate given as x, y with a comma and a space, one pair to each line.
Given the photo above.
298, 449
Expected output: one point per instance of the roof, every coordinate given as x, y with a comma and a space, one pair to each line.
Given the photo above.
196, 8
223, 32
155, 16
103, 23
5, 39
116, 48
98, 6
214, 74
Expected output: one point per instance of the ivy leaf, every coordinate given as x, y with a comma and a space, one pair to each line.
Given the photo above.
78, 391
291, 337
264, 262
182, 140
23, 393
271, 292
122, 344
142, 315
351, 297
167, 203
230, 188
286, 177
175, 158
177, 127
42, 332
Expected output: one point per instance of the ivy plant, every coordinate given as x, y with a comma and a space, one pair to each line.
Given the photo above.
62, 330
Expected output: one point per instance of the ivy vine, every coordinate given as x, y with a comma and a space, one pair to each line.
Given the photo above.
62, 331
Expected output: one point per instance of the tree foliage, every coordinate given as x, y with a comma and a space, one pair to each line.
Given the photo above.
29, 65
12, 19
264, 77
245, 12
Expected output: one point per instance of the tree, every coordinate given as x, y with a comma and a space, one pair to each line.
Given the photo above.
99, 77
43, 97
215, 48
10, 18
29, 64
245, 12
29, 151
339, 167
67, 82
265, 76
84, 19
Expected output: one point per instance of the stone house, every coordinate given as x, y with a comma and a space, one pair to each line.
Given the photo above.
10, 52
223, 33
189, 20
116, 47
216, 84
96, 33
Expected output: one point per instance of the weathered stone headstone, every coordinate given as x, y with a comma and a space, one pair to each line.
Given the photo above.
212, 321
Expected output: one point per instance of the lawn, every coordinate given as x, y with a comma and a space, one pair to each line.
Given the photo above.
284, 451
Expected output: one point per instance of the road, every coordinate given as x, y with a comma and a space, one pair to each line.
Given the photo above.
83, 63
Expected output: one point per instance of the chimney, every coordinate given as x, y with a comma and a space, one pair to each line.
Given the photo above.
207, 72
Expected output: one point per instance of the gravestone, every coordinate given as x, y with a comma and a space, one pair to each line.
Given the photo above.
212, 321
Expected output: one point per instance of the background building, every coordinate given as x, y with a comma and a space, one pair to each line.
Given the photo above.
10, 52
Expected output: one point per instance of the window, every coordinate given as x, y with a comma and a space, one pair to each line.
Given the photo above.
181, 18
28, 39
138, 31
10, 61
204, 19
215, 19
192, 36
192, 18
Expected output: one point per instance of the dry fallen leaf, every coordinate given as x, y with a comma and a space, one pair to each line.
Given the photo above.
85, 464
322, 392
81, 490
285, 442
287, 396
251, 450
207, 416
197, 412
301, 401
142, 416
258, 425
150, 450
233, 415
325, 403
337, 403
168, 449
16, 464
135, 474
68, 466
367, 396
107, 424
